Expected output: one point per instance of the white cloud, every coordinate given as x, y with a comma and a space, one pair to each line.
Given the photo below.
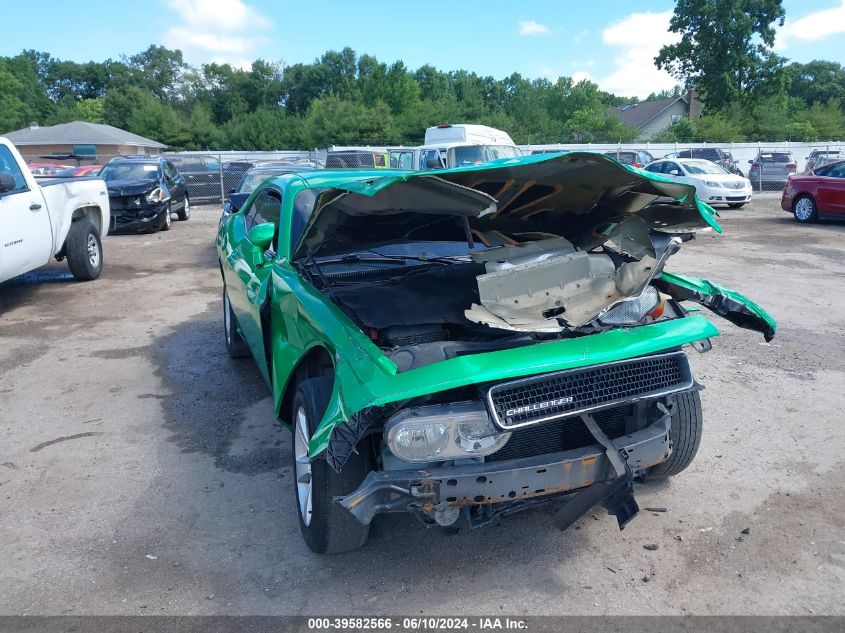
221, 31
813, 26
640, 37
581, 75
587, 63
533, 28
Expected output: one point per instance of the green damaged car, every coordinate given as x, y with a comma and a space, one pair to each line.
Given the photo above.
467, 343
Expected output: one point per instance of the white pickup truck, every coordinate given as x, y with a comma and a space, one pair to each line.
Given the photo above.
51, 217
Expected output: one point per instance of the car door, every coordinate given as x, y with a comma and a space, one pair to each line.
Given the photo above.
26, 235
830, 192
250, 271
175, 184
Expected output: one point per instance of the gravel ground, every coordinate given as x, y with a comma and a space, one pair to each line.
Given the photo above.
140, 472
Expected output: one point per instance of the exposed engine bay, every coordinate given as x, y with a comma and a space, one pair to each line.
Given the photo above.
419, 313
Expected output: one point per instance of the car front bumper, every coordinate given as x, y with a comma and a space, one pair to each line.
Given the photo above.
505, 485
138, 220
716, 195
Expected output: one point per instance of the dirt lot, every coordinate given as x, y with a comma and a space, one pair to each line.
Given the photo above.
140, 472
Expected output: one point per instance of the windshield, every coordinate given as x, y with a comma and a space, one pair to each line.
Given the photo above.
479, 154
703, 167
129, 171
254, 178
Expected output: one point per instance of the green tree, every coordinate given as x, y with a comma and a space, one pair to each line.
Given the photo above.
816, 82
725, 48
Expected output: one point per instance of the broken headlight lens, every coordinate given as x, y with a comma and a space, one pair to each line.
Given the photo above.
156, 195
632, 311
444, 431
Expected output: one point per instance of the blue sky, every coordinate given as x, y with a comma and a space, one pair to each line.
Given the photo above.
612, 43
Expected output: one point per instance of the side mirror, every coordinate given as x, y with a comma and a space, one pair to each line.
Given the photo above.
674, 172
7, 183
261, 235
233, 190
750, 162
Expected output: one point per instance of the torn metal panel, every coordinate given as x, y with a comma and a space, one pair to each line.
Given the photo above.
727, 303
550, 290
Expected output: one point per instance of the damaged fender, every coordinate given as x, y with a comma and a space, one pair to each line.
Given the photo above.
727, 303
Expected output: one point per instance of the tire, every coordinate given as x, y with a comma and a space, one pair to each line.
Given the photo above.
235, 343
185, 212
684, 436
326, 527
84, 250
736, 205
166, 221
804, 209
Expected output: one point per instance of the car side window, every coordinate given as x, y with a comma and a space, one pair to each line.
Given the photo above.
266, 207
837, 171
212, 164
656, 168
430, 159
170, 171
8, 165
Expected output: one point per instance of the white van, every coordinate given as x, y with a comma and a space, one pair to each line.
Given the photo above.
455, 146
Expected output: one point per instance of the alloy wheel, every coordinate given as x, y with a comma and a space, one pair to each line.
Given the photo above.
804, 209
93, 250
304, 487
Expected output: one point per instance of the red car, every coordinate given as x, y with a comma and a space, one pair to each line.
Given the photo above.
816, 194
81, 170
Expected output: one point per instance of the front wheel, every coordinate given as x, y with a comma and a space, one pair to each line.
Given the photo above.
684, 436
235, 343
166, 221
185, 212
326, 527
84, 250
804, 209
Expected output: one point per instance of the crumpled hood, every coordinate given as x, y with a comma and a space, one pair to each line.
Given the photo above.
130, 187
581, 196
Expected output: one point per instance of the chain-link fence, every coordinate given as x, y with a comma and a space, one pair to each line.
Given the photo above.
766, 165
211, 176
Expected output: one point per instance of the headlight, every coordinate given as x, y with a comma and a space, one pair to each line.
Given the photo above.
443, 431
710, 183
634, 310
157, 195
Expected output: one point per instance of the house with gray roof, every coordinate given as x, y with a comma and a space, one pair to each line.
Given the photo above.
651, 117
80, 141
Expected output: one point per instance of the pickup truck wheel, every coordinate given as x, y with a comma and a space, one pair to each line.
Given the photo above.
235, 343
84, 250
185, 212
685, 436
326, 527
166, 221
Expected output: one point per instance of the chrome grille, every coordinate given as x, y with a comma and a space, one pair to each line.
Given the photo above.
550, 396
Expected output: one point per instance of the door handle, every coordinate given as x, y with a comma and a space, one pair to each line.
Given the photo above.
34, 206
